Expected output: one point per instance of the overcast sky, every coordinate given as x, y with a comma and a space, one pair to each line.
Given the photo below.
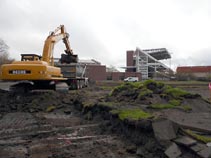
105, 29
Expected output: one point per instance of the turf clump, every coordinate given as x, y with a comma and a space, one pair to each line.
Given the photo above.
175, 102
107, 104
161, 106
134, 114
198, 137
171, 104
176, 92
126, 87
144, 91
186, 108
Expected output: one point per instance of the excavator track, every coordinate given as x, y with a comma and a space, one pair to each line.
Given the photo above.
38, 86
21, 87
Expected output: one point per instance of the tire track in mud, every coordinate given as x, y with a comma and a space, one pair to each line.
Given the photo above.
49, 135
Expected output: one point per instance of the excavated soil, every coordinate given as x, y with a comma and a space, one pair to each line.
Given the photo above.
48, 124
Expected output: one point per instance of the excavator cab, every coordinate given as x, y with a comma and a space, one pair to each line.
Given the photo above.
30, 57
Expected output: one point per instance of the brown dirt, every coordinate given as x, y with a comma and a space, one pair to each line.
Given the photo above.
54, 125
29, 131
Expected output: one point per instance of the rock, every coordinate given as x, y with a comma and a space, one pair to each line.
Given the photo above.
140, 152
89, 116
143, 153
150, 146
197, 147
31, 110
13, 107
164, 131
186, 141
131, 149
173, 151
67, 111
205, 153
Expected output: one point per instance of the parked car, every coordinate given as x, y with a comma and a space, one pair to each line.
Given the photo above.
131, 79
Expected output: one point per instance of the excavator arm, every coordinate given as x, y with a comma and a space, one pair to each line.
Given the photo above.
52, 39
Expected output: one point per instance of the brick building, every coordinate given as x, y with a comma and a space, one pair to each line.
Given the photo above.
194, 72
97, 72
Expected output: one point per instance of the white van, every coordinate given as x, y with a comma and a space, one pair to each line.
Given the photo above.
131, 79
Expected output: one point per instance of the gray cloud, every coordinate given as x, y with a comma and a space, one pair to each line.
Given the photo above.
104, 30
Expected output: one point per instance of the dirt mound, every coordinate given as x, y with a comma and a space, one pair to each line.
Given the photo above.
32, 102
48, 125
157, 95
131, 121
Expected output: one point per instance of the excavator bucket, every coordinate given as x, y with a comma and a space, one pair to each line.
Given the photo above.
69, 58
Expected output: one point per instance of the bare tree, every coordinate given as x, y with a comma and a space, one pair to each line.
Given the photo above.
4, 53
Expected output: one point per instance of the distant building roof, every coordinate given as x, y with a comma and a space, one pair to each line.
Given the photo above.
191, 69
158, 53
111, 69
89, 62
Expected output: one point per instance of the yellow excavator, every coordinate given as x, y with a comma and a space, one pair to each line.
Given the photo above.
39, 72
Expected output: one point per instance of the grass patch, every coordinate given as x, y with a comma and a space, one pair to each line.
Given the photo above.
88, 104
171, 104
162, 106
186, 107
148, 82
176, 92
50, 108
136, 85
198, 137
152, 85
134, 114
175, 102
144, 92
126, 87
108, 104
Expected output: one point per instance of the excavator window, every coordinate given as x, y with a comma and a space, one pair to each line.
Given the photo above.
30, 57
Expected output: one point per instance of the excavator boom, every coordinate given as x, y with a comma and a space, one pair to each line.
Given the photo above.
52, 39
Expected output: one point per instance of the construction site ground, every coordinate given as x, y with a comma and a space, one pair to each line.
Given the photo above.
49, 124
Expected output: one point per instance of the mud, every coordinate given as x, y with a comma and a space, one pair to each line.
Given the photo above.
30, 130
76, 124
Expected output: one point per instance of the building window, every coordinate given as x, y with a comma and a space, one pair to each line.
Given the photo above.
109, 77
